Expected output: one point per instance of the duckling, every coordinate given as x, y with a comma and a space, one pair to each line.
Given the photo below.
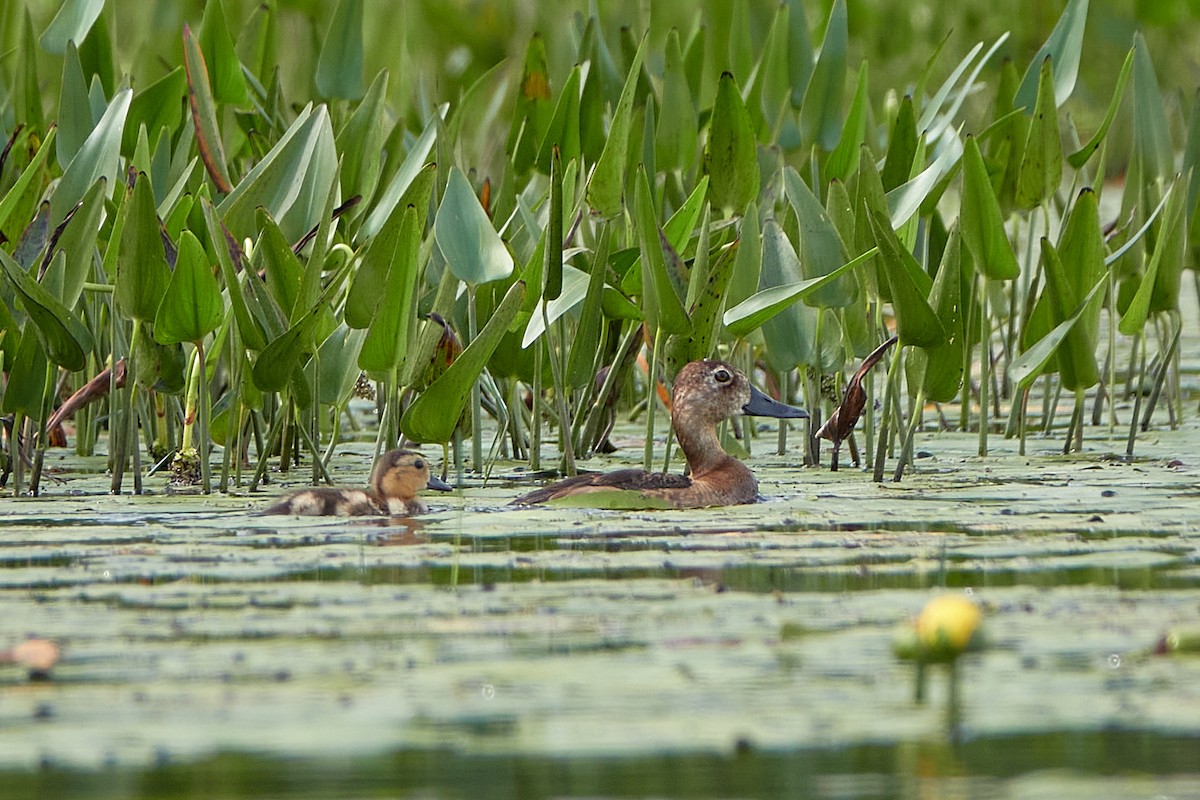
397, 477
706, 392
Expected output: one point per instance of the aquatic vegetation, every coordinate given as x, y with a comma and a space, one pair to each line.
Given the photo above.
252, 248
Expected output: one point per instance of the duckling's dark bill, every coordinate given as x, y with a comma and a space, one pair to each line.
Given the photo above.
761, 405
437, 484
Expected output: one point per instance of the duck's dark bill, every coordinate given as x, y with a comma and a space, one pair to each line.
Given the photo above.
762, 406
440, 485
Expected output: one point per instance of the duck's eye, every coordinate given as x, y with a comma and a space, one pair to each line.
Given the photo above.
722, 375
419, 464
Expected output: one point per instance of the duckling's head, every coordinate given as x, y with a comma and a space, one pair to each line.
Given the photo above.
400, 474
709, 391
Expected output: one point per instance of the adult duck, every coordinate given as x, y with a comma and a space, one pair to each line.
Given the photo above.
397, 477
706, 393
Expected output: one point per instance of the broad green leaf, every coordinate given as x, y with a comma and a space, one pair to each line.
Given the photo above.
294, 172
16, 192
731, 155
257, 43
943, 365
249, 328
370, 279
337, 358
552, 277
142, 273
606, 186
281, 267
531, 116
1135, 316
433, 416
65, 339
1191, 161
586, 342
224, 69
27, 90
821, 249
935, 131
75, 119
821, 114
1081, 156
340, 64
280, 362
97, 158
800, 53
1080, 257
71, 24
934, 106
1041, 166
747, 267
843, 161
78, 241
157, 106
576, 284
675, 140
1151, 140
386, 344
275, 368
705, 312
661, 301
790, 335
982, 222
1064, 48
1026, 367
901, 146
767, 90
757, 309
916, 322
414, 161
906, 199
1077, 353
192, 307
204, 113
563, 131
1171, 237
26, 387
466, 237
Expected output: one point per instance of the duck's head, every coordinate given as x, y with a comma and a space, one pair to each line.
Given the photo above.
400, 474
709, 391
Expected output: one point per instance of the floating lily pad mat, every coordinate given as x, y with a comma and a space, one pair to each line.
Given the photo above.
208, 651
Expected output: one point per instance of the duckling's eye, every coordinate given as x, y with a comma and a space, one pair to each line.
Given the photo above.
419, 464
722, 375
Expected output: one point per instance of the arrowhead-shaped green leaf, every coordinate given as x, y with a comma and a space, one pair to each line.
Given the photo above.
472, 247
192, 306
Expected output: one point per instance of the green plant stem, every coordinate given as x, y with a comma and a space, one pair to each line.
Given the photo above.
476, 398
202, 418
781, 444
560, 393
916, 417
264, 453
190, 402
15, 462
535, 443
651, 401
39, 453
888, 392
1137, 402
985, 358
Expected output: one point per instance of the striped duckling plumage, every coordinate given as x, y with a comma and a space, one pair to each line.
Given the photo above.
395, 481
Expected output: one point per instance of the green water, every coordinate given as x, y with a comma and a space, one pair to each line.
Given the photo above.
1127, 762
741, 652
